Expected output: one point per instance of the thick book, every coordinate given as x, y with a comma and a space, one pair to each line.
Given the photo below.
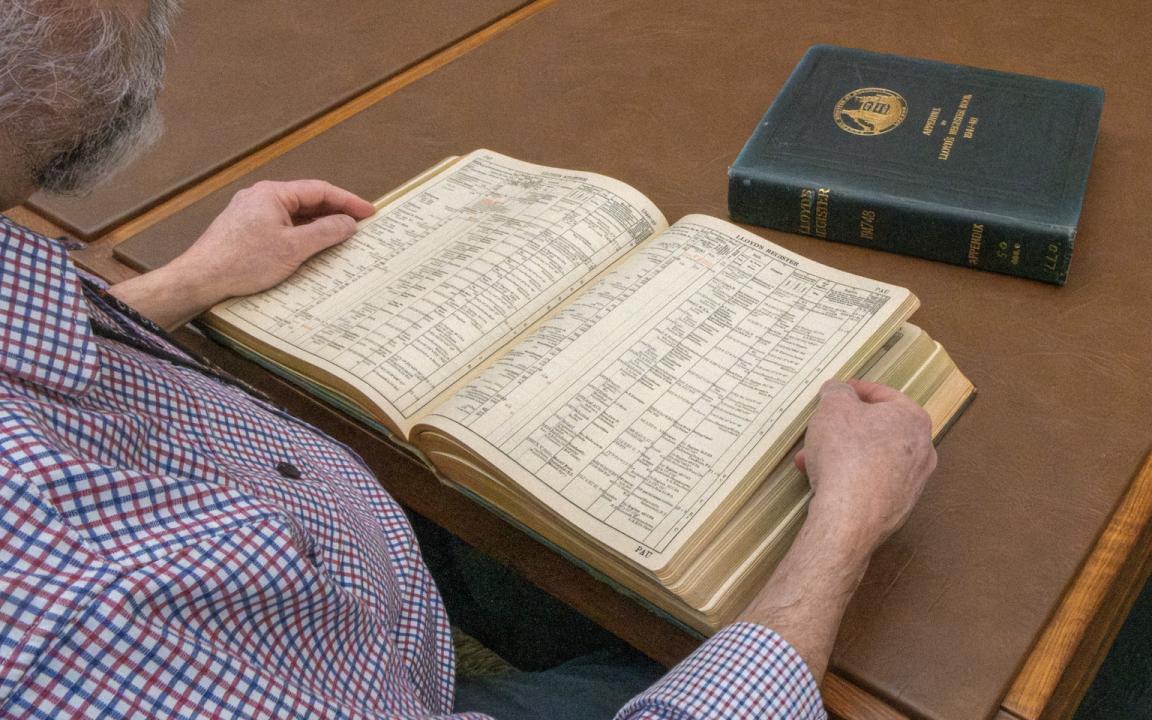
628, 391
967, 166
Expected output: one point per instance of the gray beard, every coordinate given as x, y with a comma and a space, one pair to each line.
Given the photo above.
103, 151
100, 112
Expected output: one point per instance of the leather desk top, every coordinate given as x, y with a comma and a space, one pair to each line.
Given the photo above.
663, 93
243, 73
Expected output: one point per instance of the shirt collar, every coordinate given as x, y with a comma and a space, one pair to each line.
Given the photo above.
45, 338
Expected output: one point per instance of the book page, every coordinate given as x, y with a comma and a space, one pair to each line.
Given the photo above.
442, 277
638, 407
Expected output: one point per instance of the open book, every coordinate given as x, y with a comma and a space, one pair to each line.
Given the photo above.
629, 392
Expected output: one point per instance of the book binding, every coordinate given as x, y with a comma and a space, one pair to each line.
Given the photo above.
973, 167
960, 236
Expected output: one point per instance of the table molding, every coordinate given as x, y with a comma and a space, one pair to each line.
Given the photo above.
33, 220
846, 701
1062, 664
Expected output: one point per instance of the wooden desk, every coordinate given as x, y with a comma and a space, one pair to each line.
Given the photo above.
1015, 570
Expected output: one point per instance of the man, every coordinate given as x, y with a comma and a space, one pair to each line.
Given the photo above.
174, 546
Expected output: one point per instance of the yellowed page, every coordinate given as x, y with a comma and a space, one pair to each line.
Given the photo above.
442, 277
640, 406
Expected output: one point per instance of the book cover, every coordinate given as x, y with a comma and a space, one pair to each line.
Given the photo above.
973, 167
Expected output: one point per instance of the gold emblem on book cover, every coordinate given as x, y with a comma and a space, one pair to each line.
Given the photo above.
870, 111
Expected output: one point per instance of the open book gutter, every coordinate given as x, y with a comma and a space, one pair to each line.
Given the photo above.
625, 390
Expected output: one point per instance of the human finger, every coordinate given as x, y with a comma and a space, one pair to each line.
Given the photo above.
324, 232
833, 389
871, 392
313, 198
801, 461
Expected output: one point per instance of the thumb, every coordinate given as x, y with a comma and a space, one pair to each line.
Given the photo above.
837, 389
323, 232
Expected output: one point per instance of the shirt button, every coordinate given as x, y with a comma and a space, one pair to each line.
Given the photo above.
288, 470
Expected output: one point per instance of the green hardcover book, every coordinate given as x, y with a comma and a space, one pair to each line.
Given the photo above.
967, 166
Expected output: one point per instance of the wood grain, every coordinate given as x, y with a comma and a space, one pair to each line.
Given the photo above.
97, 258
847, 701
34, 221
1063, 662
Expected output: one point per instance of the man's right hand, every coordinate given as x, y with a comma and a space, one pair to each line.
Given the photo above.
868, 453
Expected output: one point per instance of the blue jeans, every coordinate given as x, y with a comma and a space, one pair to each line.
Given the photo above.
590, 687
567, 666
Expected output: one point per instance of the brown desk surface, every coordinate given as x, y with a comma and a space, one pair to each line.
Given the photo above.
662, 94
242, 73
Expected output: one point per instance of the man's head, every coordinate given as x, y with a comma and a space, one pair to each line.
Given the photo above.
78, 82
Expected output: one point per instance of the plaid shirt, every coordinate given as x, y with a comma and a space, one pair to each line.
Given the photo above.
173, 546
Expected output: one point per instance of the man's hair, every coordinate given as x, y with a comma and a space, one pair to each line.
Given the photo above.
78, 85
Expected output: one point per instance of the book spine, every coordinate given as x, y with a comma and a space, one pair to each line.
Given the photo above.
929, 230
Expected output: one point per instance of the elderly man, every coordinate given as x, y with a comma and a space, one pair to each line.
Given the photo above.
173, 545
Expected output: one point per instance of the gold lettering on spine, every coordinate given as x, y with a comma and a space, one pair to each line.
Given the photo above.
975, 241
822, 197
867, 225
806, 211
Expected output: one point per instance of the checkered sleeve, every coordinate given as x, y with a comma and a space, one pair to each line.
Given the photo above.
745, 671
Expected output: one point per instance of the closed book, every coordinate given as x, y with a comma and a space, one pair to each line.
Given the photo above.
973, 167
